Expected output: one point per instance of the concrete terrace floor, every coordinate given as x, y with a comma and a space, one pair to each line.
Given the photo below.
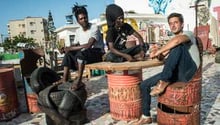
98, 104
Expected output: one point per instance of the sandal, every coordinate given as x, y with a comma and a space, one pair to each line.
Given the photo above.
159, 88
142, 121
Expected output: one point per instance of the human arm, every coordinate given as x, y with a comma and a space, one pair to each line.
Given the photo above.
91, 41
139, 37
145, 46
179, 39
86, 39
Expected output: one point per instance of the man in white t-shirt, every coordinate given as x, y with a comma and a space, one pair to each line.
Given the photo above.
88, 47
182, 62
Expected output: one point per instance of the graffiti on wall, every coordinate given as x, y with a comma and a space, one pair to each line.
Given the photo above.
159, 6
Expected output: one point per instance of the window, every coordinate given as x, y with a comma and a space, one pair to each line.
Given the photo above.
32, 23
72, 37
33, 31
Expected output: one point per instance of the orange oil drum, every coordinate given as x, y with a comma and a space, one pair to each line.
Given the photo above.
183, 94
172, 115
180, 103
31, 97
32, 103
8, 94
124, 95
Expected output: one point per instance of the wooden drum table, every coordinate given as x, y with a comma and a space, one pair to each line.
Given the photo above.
123, 85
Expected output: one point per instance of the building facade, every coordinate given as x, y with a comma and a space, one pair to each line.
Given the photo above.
66, 34
29, 27
152, 27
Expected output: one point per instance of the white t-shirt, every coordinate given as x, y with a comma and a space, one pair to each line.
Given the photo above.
82, 37
193, 48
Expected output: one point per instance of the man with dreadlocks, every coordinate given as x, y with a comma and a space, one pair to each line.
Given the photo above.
116, 37
88, 47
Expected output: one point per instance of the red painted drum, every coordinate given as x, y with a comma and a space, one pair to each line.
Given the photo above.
31, 97
182, 94
32, 103
124, 95
178, 115
8, 94
180, 103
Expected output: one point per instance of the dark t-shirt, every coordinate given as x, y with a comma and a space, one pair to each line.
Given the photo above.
119, 37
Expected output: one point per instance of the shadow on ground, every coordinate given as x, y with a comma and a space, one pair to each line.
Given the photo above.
96, 85
210, 91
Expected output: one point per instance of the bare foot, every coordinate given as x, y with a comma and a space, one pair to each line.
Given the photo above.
140, 56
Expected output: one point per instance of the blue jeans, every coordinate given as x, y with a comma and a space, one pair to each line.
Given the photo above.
178, 67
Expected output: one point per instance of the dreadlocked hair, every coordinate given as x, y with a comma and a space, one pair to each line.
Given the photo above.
79, 9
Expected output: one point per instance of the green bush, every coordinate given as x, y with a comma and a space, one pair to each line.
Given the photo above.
9, 56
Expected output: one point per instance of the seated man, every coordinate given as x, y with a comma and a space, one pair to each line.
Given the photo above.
116, 37
180, 65
88, 47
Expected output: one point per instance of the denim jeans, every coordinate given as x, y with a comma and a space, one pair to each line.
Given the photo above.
178, 67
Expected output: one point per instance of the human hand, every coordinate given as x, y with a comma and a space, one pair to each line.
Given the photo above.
153, 51
129, 58
75, 44
152, 54
160, 57
61, 50
67, 49
140, 56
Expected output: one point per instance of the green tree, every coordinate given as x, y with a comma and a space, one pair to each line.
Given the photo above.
7, 44
12, 44
22, 39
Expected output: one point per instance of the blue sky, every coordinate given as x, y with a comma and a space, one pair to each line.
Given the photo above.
19, 9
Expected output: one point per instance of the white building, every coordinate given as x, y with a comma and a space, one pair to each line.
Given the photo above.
66, 34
